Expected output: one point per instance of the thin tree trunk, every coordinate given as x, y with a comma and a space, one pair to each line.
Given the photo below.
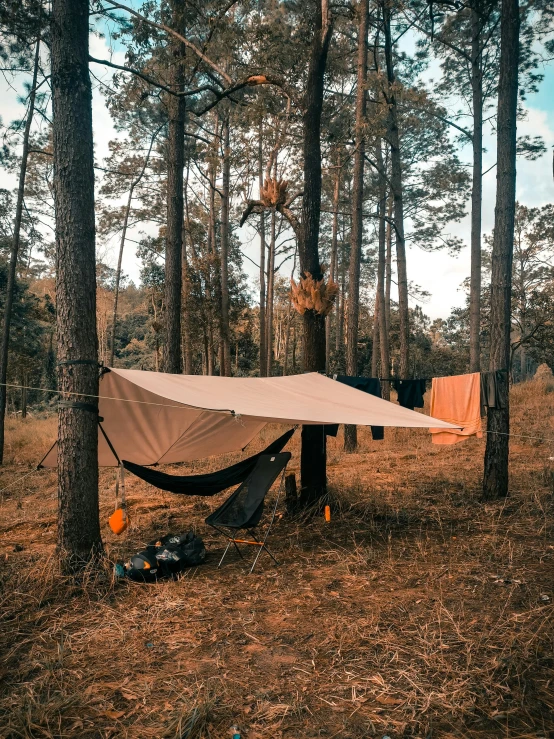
263, 341
14, 252
225, 369
290, 319
24, 395
397, 189
388, 266
187, 338
175, 167
356, 237
211, 283
333, 265
78, 521
342, 295
270, 293
118, 273
495, 481
381, 267
313, 453
375, 340
476, 197
134, 184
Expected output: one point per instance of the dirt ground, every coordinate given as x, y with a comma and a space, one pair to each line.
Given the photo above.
419, 611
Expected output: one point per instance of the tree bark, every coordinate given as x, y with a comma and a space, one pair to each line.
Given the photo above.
225, 369
397, 190
263, 341
476, 196
78, 522
495, 481
356, 236
175, 208
313, 453
14, 253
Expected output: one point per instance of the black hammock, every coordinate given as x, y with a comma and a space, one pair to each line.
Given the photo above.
210, 483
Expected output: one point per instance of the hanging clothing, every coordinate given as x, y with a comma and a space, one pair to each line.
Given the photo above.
457, 400
491, 382
210, 483
410, 392
370, 385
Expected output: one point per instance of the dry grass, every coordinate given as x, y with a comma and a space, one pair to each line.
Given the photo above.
418, 612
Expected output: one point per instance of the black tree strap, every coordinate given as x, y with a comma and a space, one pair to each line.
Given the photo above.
78, 406
66, 362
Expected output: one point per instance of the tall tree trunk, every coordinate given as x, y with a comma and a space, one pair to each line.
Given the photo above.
225, 369
313, 454
375, 351
186, 317
211, 279
14, 252
495, 481
175, 167
356, 236
388, 266
270, 293
333, 265
78, 521
397, 189
476, 196
263, 340
341, 308
381, 266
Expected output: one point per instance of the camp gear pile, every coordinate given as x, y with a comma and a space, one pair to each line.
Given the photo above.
166, 557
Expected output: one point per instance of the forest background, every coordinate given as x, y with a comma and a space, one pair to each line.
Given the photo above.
131, 145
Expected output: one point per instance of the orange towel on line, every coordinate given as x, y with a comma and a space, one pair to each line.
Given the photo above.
457, 400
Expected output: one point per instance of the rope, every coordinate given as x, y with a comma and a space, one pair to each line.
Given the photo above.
520, 436
32, 472
211, 410
184, 406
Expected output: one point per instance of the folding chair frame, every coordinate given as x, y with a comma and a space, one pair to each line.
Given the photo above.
251, 532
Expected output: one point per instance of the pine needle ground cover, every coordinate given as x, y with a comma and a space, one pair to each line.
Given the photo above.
419, 611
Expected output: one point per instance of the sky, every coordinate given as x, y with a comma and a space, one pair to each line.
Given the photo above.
439, 273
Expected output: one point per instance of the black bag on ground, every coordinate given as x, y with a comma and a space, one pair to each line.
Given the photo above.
166, 557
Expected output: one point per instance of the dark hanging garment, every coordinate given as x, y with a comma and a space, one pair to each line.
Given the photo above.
490, 389
370, 385
210, 483
410, 393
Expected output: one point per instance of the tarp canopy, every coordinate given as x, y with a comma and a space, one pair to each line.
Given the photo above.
157, 418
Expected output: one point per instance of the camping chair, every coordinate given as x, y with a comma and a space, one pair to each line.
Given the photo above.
244, 509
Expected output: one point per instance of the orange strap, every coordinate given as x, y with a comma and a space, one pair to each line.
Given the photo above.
244, 541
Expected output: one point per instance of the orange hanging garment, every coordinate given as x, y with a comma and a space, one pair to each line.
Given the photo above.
457, 400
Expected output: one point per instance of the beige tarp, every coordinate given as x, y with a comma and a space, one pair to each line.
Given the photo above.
152, 417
